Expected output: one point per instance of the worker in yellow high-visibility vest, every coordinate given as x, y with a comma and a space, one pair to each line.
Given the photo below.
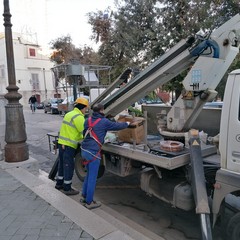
71, 133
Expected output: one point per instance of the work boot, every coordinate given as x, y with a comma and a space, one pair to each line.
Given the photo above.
92, 205
59, 187
71, 191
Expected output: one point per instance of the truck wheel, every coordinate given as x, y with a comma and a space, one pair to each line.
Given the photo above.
233, 228
81, 170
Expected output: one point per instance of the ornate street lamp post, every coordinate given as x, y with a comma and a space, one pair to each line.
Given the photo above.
45, 86
16, 149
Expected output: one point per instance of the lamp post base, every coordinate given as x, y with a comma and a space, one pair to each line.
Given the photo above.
16, 152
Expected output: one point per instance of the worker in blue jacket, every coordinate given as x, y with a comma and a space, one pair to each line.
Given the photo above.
95, 130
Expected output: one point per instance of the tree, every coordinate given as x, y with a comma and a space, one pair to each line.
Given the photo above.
127, 35
140, 31
64, 51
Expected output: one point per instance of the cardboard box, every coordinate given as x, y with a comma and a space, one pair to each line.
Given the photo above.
131, 135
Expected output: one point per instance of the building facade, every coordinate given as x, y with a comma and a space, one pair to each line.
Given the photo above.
32, 70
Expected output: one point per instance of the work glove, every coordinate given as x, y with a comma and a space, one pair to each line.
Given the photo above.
132, 125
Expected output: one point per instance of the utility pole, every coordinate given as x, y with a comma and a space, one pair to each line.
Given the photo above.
45, 86
16, 149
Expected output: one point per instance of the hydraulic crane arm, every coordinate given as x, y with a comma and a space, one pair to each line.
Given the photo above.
164, 69
205, 75
122, 78
209, 58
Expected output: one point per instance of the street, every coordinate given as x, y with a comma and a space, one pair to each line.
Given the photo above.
122, 198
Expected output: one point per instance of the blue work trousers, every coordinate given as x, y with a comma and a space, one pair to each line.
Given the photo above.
66, 166
90, 180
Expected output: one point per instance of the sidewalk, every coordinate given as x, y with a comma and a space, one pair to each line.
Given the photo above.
32, 209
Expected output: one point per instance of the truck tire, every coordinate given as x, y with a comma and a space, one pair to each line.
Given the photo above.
233, 228
81, 170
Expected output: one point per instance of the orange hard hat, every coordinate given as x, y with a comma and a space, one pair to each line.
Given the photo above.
82, 101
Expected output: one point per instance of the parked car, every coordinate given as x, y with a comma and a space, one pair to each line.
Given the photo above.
145, 101
213, 105
51, 105
70, 99
68, 103
40, 105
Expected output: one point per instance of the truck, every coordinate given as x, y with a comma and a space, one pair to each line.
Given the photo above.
201, 175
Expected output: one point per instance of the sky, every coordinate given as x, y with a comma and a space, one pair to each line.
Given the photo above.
46, 20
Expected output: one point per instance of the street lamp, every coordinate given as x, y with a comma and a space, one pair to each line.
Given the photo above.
16, 149
45, 86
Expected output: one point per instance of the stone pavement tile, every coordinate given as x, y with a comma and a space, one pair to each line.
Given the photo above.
76, 227
3, 212
6, 222
73, 235
19, 237
54, 222
13, 228
117, 235
5, 237
32, 237
43, 206
51, 238
85, 235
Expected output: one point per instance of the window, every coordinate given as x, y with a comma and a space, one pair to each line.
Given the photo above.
32, 52
35, 81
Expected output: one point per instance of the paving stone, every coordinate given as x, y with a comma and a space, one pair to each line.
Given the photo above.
51, 238
76, 227
13, 228
5, 237
86, 235
6, 222
53, 233
18, 237
4, 212
34, 231
54, 222
73, 235
85, 238
35, 237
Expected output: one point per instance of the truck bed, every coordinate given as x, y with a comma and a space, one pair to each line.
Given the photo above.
153, 155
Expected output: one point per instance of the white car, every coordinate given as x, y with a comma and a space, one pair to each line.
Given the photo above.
51, 105
213, 105
68, 102
144, 101
70, 99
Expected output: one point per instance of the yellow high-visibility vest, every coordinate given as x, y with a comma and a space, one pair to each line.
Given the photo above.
71, 131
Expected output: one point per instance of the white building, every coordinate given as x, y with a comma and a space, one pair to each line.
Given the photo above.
32, 70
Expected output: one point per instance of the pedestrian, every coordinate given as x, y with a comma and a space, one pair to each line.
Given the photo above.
71, 133
32, 101
95, 130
